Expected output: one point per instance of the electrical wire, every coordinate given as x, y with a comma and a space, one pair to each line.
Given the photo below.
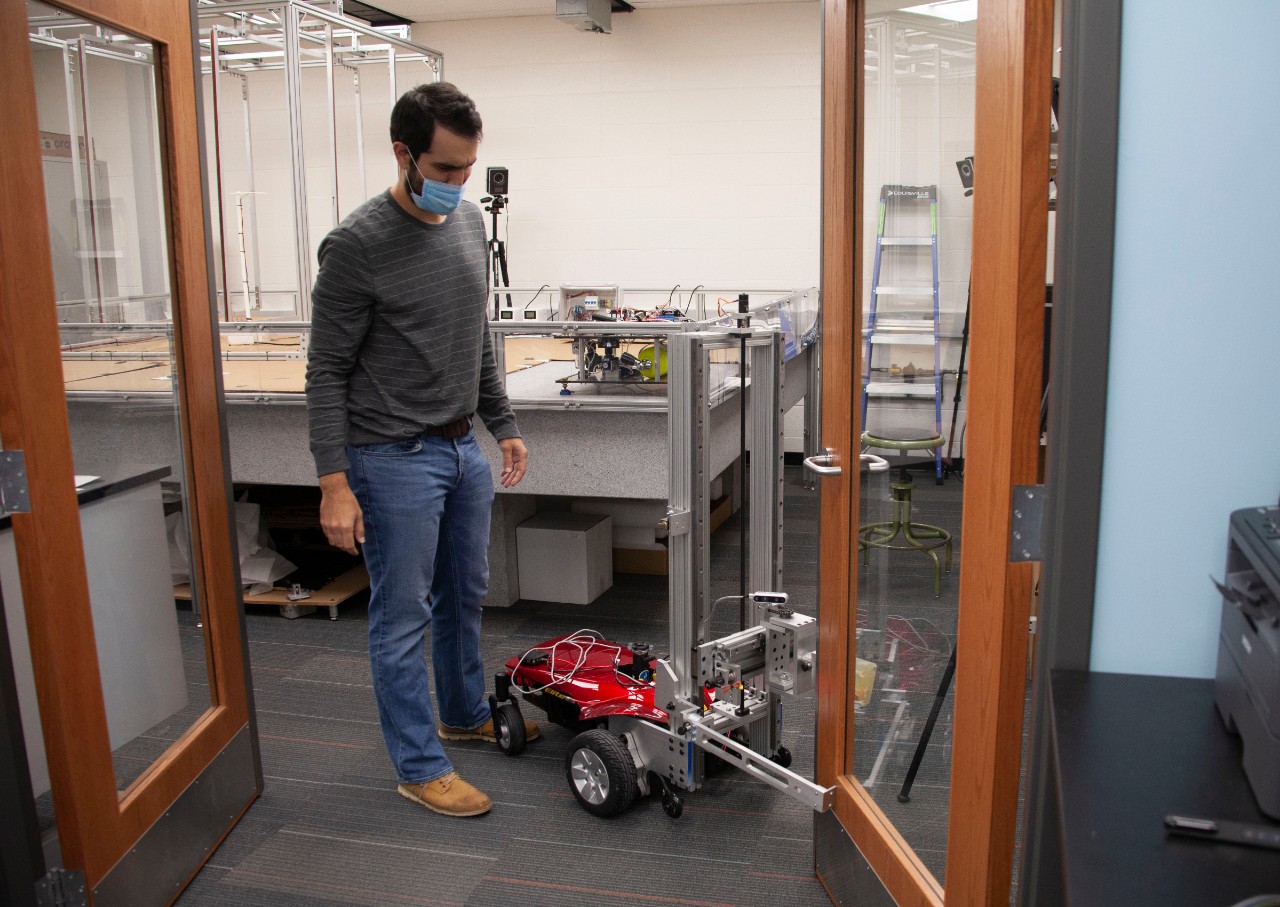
691, 292
922, 646
672, 293
592, 639
545, 286
715, 604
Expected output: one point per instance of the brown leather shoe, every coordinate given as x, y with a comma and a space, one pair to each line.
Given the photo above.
449, 795
485, 732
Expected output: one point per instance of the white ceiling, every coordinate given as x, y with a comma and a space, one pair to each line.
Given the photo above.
444, 10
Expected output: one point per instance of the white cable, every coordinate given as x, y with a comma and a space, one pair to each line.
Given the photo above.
591, 638
911, 624
551, 651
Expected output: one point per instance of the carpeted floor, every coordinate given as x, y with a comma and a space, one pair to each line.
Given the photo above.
329, 828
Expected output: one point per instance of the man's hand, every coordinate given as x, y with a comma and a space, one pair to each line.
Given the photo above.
340, 515
515, 459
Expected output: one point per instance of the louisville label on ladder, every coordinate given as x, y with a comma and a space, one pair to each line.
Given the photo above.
902, 319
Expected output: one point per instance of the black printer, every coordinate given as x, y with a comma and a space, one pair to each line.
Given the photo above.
1247, 686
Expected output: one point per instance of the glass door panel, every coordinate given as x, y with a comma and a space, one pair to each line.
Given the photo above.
97, 111
107, 346
916, 227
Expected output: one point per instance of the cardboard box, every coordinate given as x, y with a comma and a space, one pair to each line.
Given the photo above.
651, 560
565, 557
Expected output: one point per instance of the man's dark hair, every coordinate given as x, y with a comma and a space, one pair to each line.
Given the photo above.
414, 118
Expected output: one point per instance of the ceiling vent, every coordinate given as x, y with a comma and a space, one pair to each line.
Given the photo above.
586, 15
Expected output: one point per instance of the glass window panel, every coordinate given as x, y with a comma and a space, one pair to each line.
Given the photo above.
96, 90
917, 219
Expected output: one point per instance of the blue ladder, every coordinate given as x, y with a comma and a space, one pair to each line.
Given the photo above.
899, 324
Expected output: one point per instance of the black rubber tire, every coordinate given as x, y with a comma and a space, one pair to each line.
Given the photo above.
783, 757
508, 728
672, 804
601, 773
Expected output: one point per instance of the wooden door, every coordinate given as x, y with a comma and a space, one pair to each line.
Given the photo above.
100, 104
1011, 146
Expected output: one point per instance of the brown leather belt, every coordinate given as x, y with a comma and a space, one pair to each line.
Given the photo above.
456, 429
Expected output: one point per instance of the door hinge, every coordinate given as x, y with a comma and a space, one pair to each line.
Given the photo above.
61, 888
14, 497
1027, 524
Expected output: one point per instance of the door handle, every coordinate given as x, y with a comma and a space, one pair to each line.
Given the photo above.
822, 463
874, 463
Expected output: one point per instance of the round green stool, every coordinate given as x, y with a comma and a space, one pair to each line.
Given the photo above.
915, 536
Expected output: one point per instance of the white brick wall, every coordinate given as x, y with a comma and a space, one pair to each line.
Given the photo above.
920, 121
683, 148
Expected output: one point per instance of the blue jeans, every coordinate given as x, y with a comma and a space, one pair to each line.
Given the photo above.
427, 504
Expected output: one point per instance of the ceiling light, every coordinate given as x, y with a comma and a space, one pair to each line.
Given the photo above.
955, 10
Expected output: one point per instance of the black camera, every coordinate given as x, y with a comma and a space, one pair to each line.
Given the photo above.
497, 184
966, 174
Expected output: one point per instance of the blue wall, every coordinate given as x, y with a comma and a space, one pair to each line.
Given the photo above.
1193, 408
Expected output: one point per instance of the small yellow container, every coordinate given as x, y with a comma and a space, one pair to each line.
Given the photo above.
864, 680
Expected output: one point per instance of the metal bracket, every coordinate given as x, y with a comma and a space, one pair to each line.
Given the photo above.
1027, 524
14, 497
678, 522
762, 768
61, 888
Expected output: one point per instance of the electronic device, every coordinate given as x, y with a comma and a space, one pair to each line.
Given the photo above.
497, 179
587, 303
965, 167
586, 15
1247, 685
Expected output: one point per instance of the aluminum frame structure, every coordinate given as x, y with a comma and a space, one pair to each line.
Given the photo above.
239, 39
78, 40
776, 654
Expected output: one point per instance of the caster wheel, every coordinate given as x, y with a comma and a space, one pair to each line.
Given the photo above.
782, 757
672, 804
601, 772
508, 728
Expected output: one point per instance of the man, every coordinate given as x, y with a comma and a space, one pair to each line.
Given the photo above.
400, 360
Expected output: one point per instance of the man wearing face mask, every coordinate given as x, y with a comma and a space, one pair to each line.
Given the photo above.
400, 363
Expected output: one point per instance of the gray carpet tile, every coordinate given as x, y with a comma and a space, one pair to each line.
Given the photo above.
330, 829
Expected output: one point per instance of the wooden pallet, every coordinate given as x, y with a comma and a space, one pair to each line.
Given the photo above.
330, 596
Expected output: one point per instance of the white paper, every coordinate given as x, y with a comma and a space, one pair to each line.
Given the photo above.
82, 481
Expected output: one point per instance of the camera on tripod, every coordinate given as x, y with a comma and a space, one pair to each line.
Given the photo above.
497, 181
494, 202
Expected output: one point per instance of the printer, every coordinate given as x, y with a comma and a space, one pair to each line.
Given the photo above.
1247, 685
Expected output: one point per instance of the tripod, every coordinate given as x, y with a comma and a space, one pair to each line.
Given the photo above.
497, 249
904, 795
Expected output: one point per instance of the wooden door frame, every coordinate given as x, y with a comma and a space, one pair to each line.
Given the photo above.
97, 827
1010, 228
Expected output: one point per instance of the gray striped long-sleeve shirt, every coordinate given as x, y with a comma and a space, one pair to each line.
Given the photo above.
399, 331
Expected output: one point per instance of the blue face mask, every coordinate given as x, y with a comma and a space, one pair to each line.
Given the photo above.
436, 197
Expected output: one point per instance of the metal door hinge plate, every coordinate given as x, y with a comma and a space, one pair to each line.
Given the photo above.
61, 888
1027, 524
14, 497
